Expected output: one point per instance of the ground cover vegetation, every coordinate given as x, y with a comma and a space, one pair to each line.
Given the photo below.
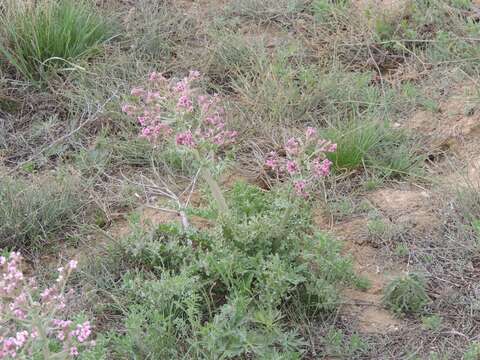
239, 179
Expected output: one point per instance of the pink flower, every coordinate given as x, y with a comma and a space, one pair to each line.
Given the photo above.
82, 331
292, 167
185, 138
331, 148
17, 305
153, 76
19, 314
20, 338
158, 117
271, 163
156, 76
61, 303
146, 132
272, 160
181, 86
213, 120
73, 351
47, 294
62, 323
292, 146
231, 135
300, 186
184, 102
219, 139
321, 169
142, 120
137, 91
311, 132
9, 347
162, 129
202, 99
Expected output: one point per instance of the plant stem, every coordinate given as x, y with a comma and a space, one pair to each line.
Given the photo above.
213, 185
184, 220
287, 214
215, 190
43, 336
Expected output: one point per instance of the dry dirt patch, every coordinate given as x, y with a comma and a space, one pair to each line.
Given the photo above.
455, 130
409, 207
456, 122
406, 207
365, 306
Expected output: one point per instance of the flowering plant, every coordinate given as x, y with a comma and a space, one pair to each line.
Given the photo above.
31, 319
303, 161
178, 112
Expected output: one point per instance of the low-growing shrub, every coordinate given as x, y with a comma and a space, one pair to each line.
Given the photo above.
432, 322
406, 295
473, 351
225, 291
342, 346
427, 28
47, 34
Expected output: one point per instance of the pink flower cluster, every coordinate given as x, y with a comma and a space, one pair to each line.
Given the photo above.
65, 330
28, 315
178, 110
302, 160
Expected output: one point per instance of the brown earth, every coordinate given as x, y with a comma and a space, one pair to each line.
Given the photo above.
410, 207
455, 130
407, 207
365, 306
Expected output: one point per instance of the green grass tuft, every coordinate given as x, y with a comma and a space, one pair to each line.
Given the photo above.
370, 144
36, 38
